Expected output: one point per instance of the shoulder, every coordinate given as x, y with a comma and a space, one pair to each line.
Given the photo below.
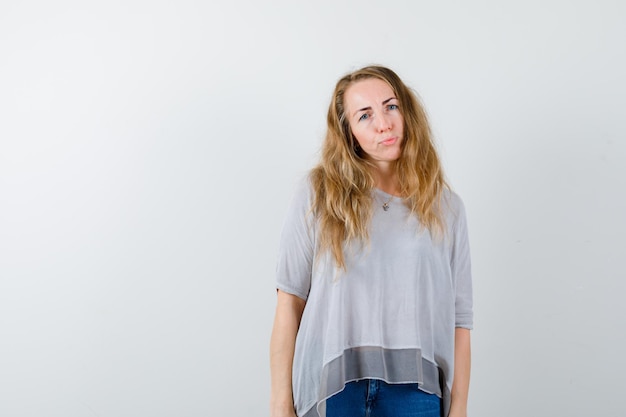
452, 207
452, 201
302, 198
303, 190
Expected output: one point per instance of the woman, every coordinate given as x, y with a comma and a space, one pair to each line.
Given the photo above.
374, 285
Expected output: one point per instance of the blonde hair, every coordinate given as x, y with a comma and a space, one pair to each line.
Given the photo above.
343, 181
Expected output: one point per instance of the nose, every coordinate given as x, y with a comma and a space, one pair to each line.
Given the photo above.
383, 122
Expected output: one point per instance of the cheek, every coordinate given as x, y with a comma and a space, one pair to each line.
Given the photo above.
358, 136
363, 143
400, 122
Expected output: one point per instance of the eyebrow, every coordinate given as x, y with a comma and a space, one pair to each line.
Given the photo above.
369, 108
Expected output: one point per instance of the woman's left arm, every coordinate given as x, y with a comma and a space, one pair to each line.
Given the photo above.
462, 365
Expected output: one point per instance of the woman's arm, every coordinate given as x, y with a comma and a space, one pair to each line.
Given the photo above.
462, 365
289, 310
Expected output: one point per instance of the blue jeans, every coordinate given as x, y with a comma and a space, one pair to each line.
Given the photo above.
375, 398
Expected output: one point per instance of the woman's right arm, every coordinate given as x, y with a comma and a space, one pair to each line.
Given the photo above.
289, 310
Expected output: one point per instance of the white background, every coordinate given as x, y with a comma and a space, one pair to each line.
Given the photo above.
148, 151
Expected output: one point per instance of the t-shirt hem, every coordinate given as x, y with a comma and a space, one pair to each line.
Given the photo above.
394, 366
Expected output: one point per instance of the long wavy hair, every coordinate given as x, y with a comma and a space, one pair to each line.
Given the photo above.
343, 180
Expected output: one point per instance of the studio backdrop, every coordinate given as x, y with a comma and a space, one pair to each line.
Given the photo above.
149, 151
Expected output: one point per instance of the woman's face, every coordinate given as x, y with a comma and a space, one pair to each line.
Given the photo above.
375, 119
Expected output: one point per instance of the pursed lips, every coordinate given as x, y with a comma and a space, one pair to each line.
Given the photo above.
389, 141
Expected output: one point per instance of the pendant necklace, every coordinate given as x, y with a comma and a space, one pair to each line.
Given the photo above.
386, 203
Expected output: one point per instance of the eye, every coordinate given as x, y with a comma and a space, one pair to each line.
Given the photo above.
392, 107
364, 116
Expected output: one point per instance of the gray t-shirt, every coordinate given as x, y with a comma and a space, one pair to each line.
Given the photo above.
390, 315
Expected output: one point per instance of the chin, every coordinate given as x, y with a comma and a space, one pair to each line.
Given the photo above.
396, 156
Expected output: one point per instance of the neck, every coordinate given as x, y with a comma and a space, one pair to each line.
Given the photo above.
386, 179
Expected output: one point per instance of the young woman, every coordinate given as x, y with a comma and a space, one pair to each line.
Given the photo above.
374, 284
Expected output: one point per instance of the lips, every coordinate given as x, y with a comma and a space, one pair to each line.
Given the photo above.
389, 141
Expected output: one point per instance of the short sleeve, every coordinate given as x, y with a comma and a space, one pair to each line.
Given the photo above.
462, 269
297, 245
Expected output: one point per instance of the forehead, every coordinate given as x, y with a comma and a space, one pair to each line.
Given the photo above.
367, 92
